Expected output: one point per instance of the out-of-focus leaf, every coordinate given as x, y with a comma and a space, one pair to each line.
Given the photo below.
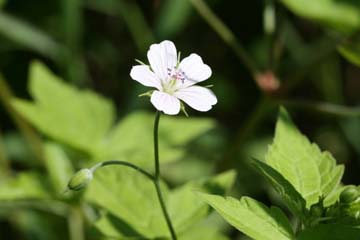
341, 15
351, 51
252, 217
132, 138
291, 197
39, 226
313, 173
130, 197
29, 36
17, 149
185, 198
2, 3
203, 232
77, 118
59, 166
330, 232
173, 17
132, 200
27, 185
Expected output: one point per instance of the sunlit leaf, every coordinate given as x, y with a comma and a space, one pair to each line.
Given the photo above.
313, 173
132, 138
291, 197
131, 200
79, 118
252, 217
27, 185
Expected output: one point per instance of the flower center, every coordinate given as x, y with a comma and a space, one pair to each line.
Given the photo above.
175, 76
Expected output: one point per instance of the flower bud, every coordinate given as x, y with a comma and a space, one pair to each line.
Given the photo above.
349, 195
80, 179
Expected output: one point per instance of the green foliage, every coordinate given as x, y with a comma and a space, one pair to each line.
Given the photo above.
28, 36
308, 181
135, 130
58, 166
291, 197
84, 121
173, 17
134, 208
78, 118
252, 217
341, 15
27, 185
331, 232
313, 173
351, 51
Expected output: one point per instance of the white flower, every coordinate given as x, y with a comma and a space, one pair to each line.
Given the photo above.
174, 81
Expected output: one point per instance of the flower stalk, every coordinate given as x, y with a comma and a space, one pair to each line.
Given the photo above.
157, 176
83, 177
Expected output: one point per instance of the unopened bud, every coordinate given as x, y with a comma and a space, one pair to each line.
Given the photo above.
80, 179
349, 195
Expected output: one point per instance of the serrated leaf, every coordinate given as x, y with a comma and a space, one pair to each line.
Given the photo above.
79, 118
132, 138
291, 197
252, 217
59, 167
341, 15
312, 173
330, 232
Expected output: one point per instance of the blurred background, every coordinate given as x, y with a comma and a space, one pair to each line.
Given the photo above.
302, 54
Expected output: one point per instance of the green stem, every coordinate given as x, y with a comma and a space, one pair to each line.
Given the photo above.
123, 163
76, 224
157, 177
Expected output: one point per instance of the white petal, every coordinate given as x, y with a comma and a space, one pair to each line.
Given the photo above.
165, 102
161, 57
199, 98
195, 70
145, 76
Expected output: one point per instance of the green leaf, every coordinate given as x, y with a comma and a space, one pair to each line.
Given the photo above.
58, 166
132, 138
330, 232
341, 15
291, 197
252, 217
27, 185
132, 200
185, 198
350, 50
130, 197
79, 118
2, 3
313, 173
